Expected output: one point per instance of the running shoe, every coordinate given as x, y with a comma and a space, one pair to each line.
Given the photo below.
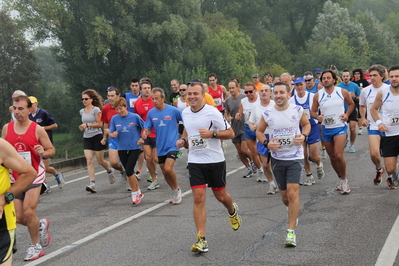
390, 183
34, 252
248, 173
91, 188
378, 176
352, 149
360, 132
201, 245
290, 239
345, 187
123, 177
154, 185
261, 176
111, 176
44, 235
320, 171
60, 180
253, 167
137, 174
309, 180
149, 179
47, 188
339, 186
235, 219
136, 198
176, 197
272, 190
395, 178
323, 153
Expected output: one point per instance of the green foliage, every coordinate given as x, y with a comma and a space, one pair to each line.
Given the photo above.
383, 47
50, 69
18, 69
392, 23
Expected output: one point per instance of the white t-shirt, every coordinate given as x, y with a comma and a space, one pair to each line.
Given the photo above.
332, 107
257, 112
367, 97
284, 125
247, 108
390, 112
204, 151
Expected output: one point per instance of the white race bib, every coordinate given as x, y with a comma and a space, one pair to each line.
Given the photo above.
218, 101
27, 156
286, 140
393, 119
330, 120
197, 143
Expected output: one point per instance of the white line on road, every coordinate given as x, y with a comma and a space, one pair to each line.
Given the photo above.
78, 179
110, 228
390, 249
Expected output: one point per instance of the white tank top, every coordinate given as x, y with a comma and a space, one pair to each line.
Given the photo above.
367, 97
332, 106
390, 112
247, 108
284, 126
181, 106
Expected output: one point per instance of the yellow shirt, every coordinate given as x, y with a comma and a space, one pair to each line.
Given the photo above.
208, 99
9, 209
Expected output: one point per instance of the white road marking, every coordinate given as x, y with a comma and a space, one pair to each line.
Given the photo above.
78, 179
390, 249
67, 248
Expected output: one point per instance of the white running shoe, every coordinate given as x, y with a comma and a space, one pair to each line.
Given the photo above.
320, 171
44, 235
34, 252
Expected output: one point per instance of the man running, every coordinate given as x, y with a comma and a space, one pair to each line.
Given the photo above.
334, 119
367, 97
164, 118
285, 143
204, 127
31, 142
387, 99
46, 121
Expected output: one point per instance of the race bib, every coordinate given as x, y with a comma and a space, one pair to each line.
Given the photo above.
393, 119
286, 140
330, 120
197, 143
131, 102
218, 101
307, 112
27, 156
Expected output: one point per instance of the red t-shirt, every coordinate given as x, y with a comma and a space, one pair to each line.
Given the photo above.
142, 108
107, 113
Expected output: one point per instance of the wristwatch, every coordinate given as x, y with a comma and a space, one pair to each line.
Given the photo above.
265, 143
214, 134
306, 137
9, 197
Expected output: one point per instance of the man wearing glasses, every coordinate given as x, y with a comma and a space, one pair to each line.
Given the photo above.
108, 112
311, 85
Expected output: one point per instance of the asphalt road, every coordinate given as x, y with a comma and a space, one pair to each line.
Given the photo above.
334, 229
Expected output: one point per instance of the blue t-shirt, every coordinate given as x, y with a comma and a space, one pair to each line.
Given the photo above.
165, 124
129, 128
351, 87
130, 99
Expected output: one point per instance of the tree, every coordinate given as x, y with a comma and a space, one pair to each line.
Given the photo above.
382, 44
18, 69
335, 20
107, 42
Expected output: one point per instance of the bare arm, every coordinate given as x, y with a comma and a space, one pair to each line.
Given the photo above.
350, 103
374, 112
315, 107
51, 127
46, 148
222, 134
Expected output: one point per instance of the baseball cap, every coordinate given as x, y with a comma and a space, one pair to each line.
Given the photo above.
32, 99
255, 76
319, 70
194, 80
299, 80
268, 74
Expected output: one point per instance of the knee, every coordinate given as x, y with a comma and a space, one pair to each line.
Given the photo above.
29, 214
89, 161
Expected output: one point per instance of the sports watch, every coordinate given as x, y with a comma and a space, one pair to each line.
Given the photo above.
214, 134
306, 137
9, 197
265, 143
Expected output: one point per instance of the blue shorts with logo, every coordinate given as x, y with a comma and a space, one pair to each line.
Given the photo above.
113, 143
328, 134
262, 150
314, 135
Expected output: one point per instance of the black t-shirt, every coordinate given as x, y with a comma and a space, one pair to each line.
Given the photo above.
361, 83
173, 96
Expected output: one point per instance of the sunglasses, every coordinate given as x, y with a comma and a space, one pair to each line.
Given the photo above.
308, 80
182, 89
85, 99
246, 92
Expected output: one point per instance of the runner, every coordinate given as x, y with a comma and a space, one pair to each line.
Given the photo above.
285, 144
387, 100
31, 142
204, 127
164, 119
367, 97
304, 99
334, 119
127, 127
